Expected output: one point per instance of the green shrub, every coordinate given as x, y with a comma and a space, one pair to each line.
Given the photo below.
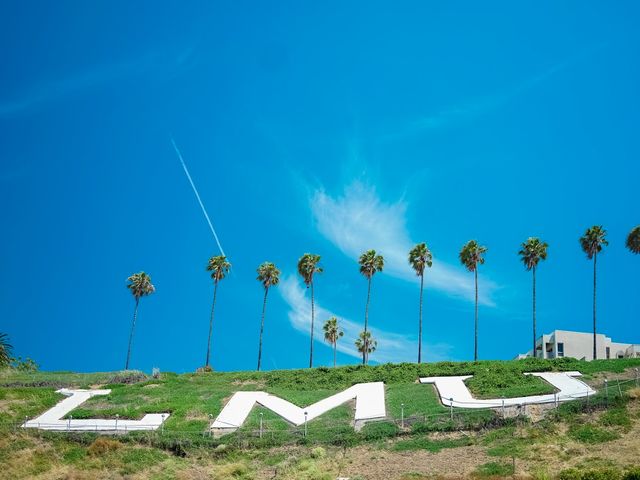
318, 452
591, 434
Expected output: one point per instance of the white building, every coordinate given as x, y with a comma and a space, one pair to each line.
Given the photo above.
563, 343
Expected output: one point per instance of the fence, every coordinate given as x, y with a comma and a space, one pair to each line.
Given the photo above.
271, 433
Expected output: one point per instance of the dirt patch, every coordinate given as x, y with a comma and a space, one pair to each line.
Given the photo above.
255, 383
152, 385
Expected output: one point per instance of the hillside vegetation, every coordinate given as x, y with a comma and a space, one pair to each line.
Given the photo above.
416, 422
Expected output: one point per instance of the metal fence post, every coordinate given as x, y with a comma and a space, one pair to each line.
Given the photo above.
261, 424
503, 412
555, 399
451, 408
606, 390
402, 415
162, 425
69, 422
619, 389
587, 399
117, 416
305, 424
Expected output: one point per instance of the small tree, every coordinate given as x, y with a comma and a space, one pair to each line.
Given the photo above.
366, 345
5, 350
140, 286
219, 268
332, 332
269, 276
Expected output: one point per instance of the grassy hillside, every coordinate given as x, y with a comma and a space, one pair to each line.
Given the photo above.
193, 398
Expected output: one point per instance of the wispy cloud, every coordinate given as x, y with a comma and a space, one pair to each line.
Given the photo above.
466, 111
392, 347
56, 89
358, 220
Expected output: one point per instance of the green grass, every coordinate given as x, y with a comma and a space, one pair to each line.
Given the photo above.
591, 434
192, 398
494, 469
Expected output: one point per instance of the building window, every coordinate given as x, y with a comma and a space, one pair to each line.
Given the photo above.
560, 349
608, 353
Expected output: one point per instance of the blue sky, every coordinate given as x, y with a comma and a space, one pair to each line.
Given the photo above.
325, 127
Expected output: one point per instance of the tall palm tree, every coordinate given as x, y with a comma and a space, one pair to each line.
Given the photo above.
592, 241
366, 345
370, 263
633, 240
531, 253
307, 268
5, 350
269, 276
419, 259
471, 256
332, 332
219, 267
140, 286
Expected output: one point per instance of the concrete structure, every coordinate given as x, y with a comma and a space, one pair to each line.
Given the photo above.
453, 391
53, 419
563, 343
369, 399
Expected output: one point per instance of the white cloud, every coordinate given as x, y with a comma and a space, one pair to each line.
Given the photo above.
358, 221
392, 347
56, 89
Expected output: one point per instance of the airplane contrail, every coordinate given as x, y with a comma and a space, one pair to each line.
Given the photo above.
195, 190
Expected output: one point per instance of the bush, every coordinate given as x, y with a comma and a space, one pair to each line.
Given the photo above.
318, 452
102, 446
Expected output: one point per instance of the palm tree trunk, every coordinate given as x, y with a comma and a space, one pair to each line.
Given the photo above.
312, 321
264, 308
366, 318
534, 312
133, 326
213, 305
595, 256
475, 343
420, 322
335, 347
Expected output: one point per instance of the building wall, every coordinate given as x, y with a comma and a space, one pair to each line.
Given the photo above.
580, 345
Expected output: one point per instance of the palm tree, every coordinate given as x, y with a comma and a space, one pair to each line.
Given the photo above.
471, 256
370, 263
592, 241
140, 286
420, 258
332, 332
633, 240
366, 345
219, 267
307, 267
269, 276
531, 252
5, 350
